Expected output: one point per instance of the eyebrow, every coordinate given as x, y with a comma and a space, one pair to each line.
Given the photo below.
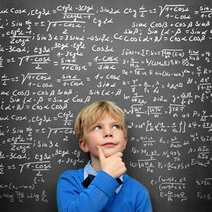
111, 123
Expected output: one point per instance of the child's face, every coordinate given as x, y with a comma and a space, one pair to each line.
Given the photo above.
106, 133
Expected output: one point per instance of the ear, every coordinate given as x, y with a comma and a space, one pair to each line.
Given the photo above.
83, 145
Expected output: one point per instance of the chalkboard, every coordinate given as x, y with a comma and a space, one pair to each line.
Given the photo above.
153, 58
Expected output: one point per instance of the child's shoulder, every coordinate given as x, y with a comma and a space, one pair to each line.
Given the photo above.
71, 173
70, 179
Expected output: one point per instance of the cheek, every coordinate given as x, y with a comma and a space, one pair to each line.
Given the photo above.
92, 144
93, 151
123, 141
124, 144
94, 136
123, 137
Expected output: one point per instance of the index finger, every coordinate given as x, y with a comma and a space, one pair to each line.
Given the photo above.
118, 154
101, 153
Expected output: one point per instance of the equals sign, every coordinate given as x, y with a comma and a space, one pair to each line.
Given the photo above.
55, 63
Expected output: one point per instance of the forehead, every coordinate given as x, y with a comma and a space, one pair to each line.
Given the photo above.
98, 117
108, 118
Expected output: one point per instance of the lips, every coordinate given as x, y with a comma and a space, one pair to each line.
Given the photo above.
109, 144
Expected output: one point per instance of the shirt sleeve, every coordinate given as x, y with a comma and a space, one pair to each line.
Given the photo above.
72, 198
144, 202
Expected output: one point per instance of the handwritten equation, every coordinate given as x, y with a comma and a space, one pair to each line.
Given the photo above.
154, 61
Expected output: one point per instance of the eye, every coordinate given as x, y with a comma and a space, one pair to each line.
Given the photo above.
97, 127
116, 126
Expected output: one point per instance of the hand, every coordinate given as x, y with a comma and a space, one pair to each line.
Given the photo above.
112, 165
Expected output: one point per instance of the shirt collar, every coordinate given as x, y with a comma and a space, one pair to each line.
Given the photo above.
88, 169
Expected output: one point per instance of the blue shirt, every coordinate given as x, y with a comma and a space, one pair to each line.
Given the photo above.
104, 194
88, 169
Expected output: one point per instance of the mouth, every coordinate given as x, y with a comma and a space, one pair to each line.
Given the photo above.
109, 145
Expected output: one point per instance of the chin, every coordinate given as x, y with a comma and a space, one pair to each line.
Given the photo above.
109, 152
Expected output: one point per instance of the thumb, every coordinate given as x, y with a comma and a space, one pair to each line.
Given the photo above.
101, 153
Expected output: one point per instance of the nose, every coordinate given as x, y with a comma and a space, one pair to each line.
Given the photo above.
108, 132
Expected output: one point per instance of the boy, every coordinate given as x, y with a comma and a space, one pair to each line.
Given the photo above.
102, 185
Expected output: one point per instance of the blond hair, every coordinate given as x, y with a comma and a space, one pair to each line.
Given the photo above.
92, 113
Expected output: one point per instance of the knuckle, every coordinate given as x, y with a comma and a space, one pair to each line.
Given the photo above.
120, 154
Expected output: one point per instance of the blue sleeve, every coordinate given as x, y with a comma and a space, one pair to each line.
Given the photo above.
144, 202
72, 198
